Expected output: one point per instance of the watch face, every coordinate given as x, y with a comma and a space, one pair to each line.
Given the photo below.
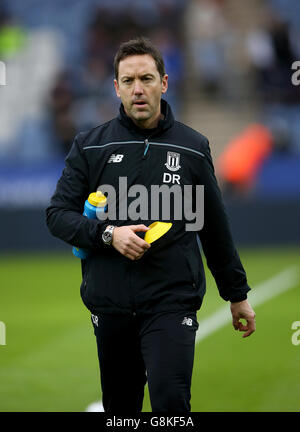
107, 236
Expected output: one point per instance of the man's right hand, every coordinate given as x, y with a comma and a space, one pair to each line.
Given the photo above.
128, 243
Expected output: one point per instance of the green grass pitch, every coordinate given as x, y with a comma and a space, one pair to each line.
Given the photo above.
49, 362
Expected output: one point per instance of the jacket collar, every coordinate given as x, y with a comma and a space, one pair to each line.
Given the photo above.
163, 124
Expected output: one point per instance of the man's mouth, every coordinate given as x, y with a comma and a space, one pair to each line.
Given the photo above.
140, 103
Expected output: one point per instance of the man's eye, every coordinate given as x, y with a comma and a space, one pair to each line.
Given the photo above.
126, 81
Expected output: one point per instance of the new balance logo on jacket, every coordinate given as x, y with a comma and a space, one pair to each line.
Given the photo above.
115, 158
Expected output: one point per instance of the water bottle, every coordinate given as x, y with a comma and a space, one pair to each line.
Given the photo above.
95, 203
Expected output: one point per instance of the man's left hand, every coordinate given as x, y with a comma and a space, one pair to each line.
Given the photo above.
243, 310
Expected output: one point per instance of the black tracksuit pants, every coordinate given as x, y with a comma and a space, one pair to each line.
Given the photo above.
134, 349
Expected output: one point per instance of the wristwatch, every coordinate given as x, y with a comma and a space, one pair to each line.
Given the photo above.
107, 235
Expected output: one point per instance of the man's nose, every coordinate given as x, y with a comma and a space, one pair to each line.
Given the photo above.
138, 89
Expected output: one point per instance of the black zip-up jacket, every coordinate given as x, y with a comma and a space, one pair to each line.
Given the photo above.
170, 275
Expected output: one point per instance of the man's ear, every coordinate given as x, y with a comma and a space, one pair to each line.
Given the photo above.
117, 88
164, 84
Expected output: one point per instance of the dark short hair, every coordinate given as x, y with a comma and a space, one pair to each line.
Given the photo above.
139, 46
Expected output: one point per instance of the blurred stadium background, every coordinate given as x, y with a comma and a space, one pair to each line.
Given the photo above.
230, 67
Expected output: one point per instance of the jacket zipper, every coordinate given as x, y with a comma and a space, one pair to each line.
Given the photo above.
146, 142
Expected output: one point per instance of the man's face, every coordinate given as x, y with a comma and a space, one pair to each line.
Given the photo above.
140, 88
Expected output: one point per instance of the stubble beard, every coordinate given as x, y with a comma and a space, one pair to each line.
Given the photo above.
140, 117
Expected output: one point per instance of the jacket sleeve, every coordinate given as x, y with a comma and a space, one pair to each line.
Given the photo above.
64, 215
216, 239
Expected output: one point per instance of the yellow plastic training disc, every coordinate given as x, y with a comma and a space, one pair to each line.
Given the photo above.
157, 229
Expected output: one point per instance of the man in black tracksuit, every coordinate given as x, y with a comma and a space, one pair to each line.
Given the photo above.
144, 299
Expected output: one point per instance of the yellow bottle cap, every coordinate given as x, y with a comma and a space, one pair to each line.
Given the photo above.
157, 229
97, 199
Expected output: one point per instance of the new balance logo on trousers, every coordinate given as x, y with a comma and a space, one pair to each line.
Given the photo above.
187, 321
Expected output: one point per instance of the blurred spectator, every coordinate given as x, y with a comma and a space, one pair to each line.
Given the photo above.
51, 135
96, 101
271, 52
245, 157
12, 36
239, 163
60, 111
211, 38
283, 118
